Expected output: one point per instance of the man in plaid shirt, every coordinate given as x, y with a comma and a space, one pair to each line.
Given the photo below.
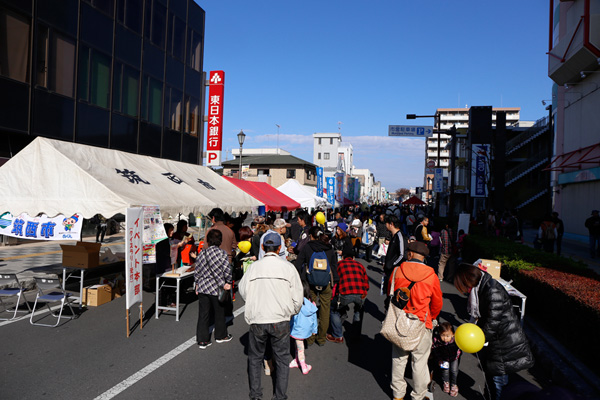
351, 289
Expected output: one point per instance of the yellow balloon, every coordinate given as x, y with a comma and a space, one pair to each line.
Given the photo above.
244, 246
320, 217
469, 338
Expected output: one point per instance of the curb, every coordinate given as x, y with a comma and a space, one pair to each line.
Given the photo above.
560, 364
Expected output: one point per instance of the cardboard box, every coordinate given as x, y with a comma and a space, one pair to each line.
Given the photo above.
97, 295
492, 267
83, 255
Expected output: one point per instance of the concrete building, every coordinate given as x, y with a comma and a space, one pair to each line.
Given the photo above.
574, 66
124, 75
273, 169
325, 152
366, 179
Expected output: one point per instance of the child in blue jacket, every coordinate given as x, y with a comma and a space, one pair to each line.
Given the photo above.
302, 326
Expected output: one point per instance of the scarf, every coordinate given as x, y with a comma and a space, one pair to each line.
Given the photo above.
473, 303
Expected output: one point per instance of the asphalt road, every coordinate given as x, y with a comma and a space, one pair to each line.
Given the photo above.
91, 357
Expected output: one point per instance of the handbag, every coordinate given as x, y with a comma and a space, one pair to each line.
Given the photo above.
222, 295
403, 329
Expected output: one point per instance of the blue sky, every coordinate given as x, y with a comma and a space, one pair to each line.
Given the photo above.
307, 65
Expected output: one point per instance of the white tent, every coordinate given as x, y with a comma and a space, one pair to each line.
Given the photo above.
303, 195
54, 177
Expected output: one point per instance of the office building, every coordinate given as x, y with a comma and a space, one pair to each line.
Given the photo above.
118, 74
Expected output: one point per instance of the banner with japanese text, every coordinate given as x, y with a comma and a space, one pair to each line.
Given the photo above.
331, 190
320, 181
480, 159
42, 227
214, 135
339, 187
133, 255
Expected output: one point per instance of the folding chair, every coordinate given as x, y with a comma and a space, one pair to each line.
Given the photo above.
57, 294
8, 280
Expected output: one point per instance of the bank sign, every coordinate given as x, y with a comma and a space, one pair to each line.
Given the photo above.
480, 159
214, 136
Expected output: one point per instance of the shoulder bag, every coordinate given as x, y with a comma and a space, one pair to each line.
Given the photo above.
403, 329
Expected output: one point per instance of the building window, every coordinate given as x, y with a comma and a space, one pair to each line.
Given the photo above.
151, 100
194, 56
325, 156
263, 171
55, 68
309, 175
14, 51
176, 37
192, 112
291, 174
156, 23
330, 140
125, 92
319, 140
103, 5
129, 13
318, 156
173, 109
94, 77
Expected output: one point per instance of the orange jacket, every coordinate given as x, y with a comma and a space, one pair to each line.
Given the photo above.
426, 295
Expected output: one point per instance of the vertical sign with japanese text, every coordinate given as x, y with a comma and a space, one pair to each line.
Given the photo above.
480, 158
320, 181
339, 187
331, 190
438, 180
134, 220
214, 135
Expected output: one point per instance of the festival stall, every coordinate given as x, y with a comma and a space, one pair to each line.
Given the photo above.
272, 198
303, 195
50, 177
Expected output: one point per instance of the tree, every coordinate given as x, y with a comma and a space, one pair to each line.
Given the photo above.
400, 193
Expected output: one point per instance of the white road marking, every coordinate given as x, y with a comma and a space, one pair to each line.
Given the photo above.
147, 370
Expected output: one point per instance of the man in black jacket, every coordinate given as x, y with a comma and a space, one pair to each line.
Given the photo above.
395, 251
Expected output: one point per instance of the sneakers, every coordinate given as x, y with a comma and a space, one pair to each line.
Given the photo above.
454, 391
294, 363
204, 345
225, 339
334, 339
446, 388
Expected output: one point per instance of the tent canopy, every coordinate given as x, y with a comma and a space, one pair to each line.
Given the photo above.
302, 194
54, 177
272, 198
414, 200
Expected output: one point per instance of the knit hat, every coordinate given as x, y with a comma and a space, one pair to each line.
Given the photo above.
343, 226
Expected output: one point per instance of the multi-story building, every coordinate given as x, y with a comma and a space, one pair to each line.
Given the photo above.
124, 75
325, 152
366, 179
574, 66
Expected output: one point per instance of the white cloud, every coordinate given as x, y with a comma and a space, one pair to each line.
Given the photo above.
283, 138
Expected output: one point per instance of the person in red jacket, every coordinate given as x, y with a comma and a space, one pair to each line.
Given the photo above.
426, 303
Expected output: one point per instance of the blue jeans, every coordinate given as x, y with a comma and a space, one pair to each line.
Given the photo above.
450, 374
594, 245
259, 334
499, 382
338, 312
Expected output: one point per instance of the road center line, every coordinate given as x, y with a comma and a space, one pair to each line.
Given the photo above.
133, 379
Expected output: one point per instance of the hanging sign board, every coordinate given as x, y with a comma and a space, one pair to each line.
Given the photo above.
214, 136
42, 227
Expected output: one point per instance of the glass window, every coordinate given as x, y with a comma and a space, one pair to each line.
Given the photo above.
263, 171
319, 140
92, 125
129, 13
319, 156
61, 74
125, 93
99, 79
291, 174
151, 100
309, 175
150, 136
128, 46
159, 25
189, 149
41, 69
53, 115
171, 148
192, 112
154, 61
123, 135
176, 37
174, 109
331, 141
61, 14
96, 29
325, 156
103, 5
194, 57
14, 109
14, 51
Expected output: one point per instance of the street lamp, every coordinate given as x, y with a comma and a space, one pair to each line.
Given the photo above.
241, 137
278, 126
438, 161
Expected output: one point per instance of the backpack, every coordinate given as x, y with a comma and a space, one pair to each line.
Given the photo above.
318, 271
548, 231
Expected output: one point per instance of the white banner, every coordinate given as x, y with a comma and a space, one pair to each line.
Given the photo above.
42, 227
133, 259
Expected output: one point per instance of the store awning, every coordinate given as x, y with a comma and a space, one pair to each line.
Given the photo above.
272, 198
414, 200
56, 177
586, 157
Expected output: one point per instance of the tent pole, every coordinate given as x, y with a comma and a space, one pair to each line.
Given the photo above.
141, 316
127, 312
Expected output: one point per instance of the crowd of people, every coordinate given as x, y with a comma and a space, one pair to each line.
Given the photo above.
301, 277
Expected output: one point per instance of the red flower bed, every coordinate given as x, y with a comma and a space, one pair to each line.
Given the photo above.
584, 290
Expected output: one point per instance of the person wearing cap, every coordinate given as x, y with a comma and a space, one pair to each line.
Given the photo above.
229, 243
352, 288
593, 225
273, 293
340, 240
279, 227
426, 303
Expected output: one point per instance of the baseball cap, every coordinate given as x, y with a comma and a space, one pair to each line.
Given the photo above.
594, 211
419, 248
280, 223
343, 226
272, 239
356, 222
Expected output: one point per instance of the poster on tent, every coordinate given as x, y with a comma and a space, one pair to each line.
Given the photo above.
134, 219
331, 190
41, 227
320, 181
154, 232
